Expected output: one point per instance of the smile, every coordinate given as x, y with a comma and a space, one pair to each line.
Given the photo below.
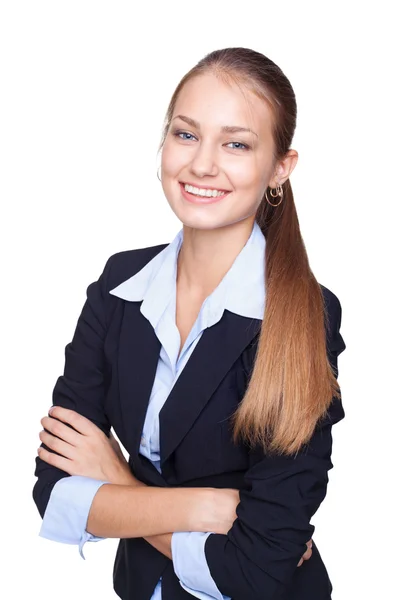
202, 192
201, 195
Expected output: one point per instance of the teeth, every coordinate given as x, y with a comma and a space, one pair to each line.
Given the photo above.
202, 192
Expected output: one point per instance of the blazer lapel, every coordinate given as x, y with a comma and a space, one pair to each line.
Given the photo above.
219, 347
139, 350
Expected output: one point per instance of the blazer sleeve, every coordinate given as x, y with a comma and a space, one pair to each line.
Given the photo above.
259, 555
82, 387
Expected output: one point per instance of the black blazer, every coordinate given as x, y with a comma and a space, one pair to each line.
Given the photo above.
109, 373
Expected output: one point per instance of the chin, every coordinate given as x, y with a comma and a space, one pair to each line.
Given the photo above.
205, 222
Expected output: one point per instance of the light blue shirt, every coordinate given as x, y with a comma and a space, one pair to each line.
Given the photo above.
241, 291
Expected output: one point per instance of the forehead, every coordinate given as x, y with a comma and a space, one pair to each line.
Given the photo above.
214, 103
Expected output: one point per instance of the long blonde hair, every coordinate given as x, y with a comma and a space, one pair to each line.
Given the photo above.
292, 382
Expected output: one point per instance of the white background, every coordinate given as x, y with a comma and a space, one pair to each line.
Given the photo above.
84, 89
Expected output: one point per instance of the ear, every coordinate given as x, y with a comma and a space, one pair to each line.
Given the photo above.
283, 168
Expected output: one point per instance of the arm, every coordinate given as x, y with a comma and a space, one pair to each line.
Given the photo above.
66, 516
259, 555
273, 526
161, 542
138, 510
125, 511
82, 387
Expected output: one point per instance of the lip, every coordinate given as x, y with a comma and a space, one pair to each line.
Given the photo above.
199, 199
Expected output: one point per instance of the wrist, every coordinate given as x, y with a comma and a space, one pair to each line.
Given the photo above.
162, 543
126, 477
128, 480
200, 508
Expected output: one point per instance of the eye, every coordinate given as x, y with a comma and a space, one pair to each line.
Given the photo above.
244, 146
184, 134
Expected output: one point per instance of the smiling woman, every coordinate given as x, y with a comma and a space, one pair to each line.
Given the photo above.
229, 147
214, 358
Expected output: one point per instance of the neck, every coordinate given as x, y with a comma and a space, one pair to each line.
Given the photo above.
207, 255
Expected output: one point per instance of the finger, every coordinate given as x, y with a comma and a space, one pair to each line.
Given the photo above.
73, 418
307, 554
57, 461
61, 430
300, 562
57, 445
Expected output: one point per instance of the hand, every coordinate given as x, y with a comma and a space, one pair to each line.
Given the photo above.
222, 514
85, 450
214, 509
307, 554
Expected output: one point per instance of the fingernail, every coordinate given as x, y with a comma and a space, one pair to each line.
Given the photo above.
51, 409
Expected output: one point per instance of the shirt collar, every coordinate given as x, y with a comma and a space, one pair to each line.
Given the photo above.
241, 291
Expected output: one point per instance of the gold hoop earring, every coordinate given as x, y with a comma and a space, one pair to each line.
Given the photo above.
157, 172
279, 192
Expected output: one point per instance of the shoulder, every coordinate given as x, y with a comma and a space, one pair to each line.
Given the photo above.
331, 301
333, 319
122, 265
333, 310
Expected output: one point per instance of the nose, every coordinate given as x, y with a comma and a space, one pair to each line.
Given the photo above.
204, 162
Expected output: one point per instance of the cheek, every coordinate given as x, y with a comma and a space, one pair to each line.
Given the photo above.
252, 175
245, 176
172, 159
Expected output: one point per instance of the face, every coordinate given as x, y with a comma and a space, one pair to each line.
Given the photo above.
201, 151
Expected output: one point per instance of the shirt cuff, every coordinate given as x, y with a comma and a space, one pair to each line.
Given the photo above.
190, 565
67, 511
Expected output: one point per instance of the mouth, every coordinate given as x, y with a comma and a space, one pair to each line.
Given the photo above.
202, 195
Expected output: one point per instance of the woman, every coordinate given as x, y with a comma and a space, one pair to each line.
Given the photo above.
229, 449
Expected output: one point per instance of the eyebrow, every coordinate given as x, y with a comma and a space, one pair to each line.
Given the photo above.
224, 128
